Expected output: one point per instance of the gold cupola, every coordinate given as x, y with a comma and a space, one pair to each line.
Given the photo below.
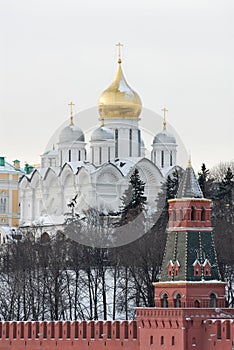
119, 100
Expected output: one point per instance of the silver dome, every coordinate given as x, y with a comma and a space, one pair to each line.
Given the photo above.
164, 137
71, 133
101, 134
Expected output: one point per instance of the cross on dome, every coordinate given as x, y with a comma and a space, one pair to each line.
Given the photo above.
71, 112
119, 52
164, 110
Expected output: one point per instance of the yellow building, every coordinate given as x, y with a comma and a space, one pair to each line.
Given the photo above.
9, 198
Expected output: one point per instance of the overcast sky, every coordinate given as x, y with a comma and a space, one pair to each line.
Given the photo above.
177, 53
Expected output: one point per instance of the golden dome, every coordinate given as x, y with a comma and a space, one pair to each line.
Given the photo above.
119, 100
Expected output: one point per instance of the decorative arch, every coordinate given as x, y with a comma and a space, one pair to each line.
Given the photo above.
164, 300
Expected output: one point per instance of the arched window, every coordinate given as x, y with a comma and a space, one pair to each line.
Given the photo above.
203, 214
193, 213
100, 155
164, 300
171, 159
162, 340
162, 159
116, 143
181, 214
213, 300
174, 214
196, 303
130, 143
139, 143
177, 300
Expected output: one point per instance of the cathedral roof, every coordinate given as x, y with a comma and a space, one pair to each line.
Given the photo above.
119, 100
101, 134
71, 133
164, 137
189, 186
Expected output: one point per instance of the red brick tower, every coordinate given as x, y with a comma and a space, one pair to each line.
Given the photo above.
190, 295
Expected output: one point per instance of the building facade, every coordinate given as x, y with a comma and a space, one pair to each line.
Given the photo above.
9, 197
97, 179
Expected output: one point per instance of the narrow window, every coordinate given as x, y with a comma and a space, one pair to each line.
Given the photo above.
52, 330
228, 331
162, 159
154, 157
61, 158
130, 143
69, 155
197, 303
178, 300
92, 155
116, 143
79, 157
213, 300
139, 143
134, 330
100, 155
108, 154
193, 214
151, 340
173, 340
162, 340
164, 300
181, 214
174, 214
203, 214
92, 329
171, 158
219, 334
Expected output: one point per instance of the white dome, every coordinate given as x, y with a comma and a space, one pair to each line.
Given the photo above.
101, 134
71, 133
164, 137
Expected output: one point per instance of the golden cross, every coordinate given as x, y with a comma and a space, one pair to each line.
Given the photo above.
164, 110
71, 112
119, 52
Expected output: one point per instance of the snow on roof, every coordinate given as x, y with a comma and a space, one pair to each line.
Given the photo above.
125, 165
8, 168
79, 164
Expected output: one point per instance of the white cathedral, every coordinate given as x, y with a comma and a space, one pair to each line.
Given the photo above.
116, 149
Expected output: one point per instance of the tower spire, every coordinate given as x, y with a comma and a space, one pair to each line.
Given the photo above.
164, 110
119, 45
71, 112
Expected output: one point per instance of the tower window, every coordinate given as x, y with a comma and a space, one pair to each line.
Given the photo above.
162, 340
213, 300
130, 143
151, 340
69, 155
177, 300
162, 159
79, 156
116, 143
108, 154
154, 157
174, 214
181, 214
193, 214
203, 214
164, 300
92, 155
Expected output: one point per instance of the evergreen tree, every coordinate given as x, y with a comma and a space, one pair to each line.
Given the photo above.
133, 199
169, 189
205, 181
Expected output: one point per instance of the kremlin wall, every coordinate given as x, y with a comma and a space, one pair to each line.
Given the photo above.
189, 310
